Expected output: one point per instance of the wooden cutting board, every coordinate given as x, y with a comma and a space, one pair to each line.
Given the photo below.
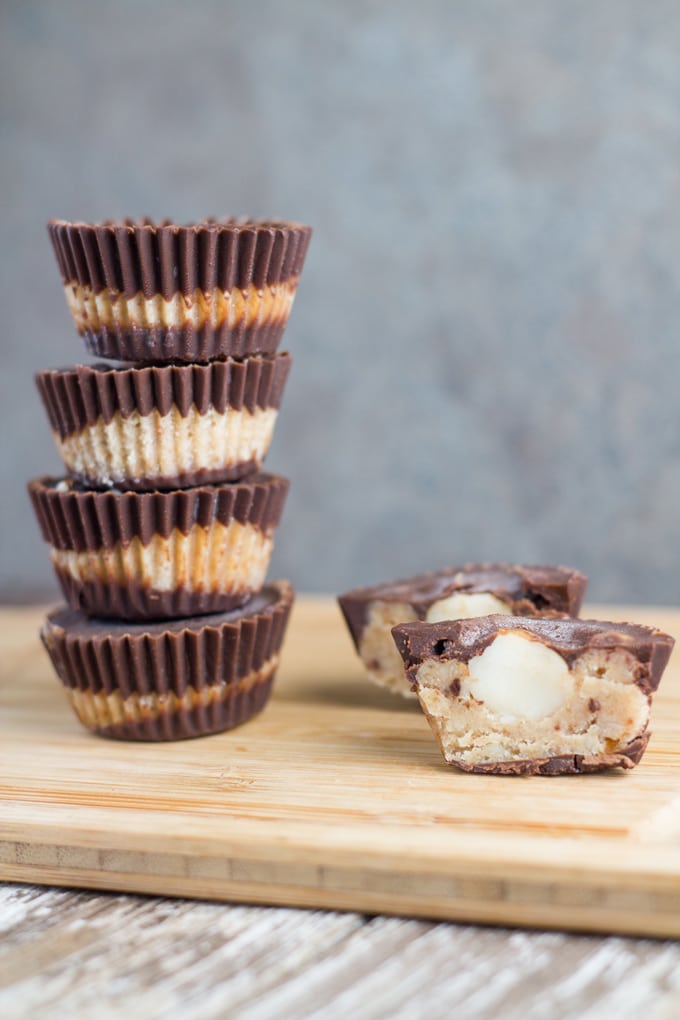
335, 796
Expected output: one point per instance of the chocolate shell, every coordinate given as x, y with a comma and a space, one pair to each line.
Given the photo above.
164, 427
145, 291
529, 590
153, 555
170, 680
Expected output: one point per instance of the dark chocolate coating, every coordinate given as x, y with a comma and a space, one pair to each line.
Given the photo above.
164, 258
462, 640
111, 601
240, 472
110, 657
190, 343
86, 394
529, 590
81, 519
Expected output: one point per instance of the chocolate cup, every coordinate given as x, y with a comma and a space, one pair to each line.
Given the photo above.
157, 555
145, 291
96, 414
529, 590
433, 644
170, 681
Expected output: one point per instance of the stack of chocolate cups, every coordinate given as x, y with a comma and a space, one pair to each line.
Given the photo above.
162, 531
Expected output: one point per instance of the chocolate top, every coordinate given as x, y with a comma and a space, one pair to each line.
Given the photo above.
83, 395
166, 258
529, 590
78, 625
74, 517
462, 640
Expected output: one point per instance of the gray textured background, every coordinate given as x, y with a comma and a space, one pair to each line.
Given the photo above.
487, 358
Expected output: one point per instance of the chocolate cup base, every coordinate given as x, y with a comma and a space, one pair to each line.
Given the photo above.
189, 724
564, 764
158, 344
165, 483
109, 601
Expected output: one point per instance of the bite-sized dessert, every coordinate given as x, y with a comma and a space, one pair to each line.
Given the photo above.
166, 426
170, 680
475, 589
515, 695
146, 291
154, 555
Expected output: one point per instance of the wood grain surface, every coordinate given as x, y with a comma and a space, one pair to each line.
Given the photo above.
94, 956
336, 796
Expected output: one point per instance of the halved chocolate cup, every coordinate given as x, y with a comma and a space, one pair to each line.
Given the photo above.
170, 680
145, 291
528, 696
165, 426
472, 589
157, 555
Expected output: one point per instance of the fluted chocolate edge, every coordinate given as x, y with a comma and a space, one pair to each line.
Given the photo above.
171, 681
84, 395
130, 257
77, 519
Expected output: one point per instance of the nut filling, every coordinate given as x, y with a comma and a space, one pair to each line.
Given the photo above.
520, 700
377, 650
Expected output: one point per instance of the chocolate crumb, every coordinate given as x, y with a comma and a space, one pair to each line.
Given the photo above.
594, 705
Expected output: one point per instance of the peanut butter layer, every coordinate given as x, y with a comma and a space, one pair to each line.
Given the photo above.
457, 592
172, 679
511, 695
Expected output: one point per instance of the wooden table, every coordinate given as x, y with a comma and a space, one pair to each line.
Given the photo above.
78, 953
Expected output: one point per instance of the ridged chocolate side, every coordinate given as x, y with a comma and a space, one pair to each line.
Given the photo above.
464, 639
84, 395
529, 590
190, 344
564, 764
163, 258
110, 601
78, 519
157, 659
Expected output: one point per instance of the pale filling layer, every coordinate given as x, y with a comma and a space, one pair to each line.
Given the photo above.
97, 710
377, 649
222, 558
519, 700
250, 307
157, 446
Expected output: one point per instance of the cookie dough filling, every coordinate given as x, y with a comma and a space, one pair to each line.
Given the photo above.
249, 307
102, 711
231, 558
168, 448
506, 695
